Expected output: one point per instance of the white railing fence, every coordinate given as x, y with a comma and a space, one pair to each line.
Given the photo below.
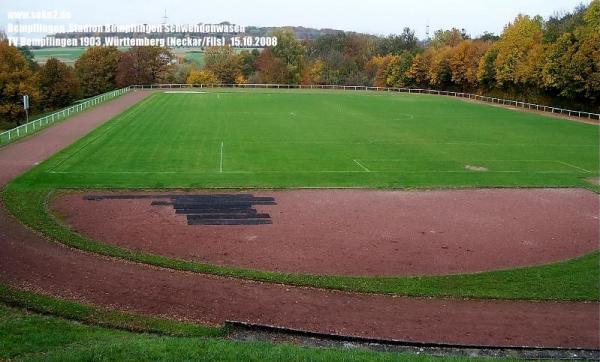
43, 122
506, 102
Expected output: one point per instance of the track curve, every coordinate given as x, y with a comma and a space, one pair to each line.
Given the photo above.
30, 261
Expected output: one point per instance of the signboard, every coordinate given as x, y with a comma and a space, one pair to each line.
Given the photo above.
26, 102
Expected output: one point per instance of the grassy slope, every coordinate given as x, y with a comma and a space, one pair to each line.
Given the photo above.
29, 336
174, 141
102, 317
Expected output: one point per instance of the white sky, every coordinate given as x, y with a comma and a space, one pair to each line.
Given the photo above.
369, 16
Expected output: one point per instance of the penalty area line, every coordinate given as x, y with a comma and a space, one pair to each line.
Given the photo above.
361, 166
395, 172
575, 167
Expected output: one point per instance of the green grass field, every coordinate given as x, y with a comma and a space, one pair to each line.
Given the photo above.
67, 55
277, 139
71, 54
312, 139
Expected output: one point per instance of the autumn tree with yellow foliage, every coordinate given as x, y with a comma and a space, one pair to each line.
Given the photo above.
572, 66
202, 77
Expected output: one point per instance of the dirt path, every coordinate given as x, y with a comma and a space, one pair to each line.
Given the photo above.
28, 260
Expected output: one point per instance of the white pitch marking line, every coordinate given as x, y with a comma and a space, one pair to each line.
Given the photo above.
221, 163
361, 166
184, 92
578, 168
288, 172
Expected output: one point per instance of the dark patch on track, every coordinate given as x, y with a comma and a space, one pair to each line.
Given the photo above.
216, 209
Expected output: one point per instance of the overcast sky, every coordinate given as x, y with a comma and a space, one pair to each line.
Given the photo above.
369, 16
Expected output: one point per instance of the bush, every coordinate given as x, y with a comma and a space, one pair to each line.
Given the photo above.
202, 77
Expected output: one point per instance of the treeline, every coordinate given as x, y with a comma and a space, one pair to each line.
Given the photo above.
554, 61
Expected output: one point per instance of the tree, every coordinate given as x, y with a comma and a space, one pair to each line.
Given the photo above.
345, 57
144, 65
520, 40
202, 77
16, 80
487, 36
376, 69
289, 52
248, 62
572, 66
97, 70
440, 74
587, 61
529, 72
398, 44
450, 37
561, 23
464, 62
58, 85
223, 62
419, 70
29, 57
396, 71
324, 45
486, 72
180, 73
271, 69
588, 55
313, 73
591, 16
240, 79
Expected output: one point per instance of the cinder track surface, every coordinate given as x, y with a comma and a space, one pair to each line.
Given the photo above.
31, 261
358, 232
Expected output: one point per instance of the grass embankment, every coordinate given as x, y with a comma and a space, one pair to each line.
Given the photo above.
50, 329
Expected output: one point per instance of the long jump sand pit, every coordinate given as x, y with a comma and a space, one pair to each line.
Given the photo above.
353, 232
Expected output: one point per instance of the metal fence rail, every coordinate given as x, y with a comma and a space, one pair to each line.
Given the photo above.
506, 102
43, 122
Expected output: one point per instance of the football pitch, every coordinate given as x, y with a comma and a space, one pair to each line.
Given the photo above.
325, 139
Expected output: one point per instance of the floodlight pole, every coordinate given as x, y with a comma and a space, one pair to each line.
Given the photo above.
26, 107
